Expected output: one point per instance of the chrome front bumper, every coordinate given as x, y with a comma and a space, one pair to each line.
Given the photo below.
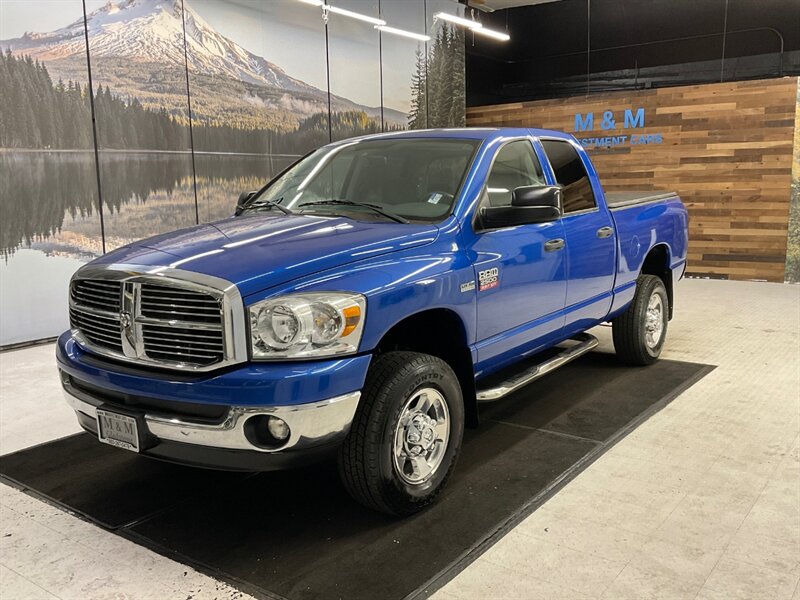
311, 425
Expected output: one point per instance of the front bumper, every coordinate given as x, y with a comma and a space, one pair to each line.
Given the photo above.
200, 421
316, 429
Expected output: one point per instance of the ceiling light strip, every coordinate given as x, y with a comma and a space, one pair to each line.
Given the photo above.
353, 15
475, 26
404, 33
379, 24
497, 35
469, 23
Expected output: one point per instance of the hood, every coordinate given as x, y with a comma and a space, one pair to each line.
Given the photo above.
261, 251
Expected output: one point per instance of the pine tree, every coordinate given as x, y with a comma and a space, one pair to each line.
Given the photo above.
5, 99
458, 91
418, 116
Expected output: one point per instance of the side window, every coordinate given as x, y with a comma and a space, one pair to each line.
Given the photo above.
570, 173
515, 166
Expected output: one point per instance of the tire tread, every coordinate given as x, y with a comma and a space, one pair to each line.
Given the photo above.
359, 456
626, 328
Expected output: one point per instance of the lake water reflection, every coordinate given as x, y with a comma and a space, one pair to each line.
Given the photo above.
50, 222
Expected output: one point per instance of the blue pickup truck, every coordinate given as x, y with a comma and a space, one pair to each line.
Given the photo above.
364, 302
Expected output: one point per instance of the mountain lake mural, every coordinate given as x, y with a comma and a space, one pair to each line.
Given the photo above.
195, 101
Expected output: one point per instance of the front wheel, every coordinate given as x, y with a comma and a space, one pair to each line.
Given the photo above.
406, 434
640, 331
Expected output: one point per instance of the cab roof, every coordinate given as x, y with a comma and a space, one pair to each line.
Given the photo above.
470, 133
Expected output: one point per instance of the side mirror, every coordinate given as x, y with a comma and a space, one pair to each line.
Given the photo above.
493, 217
243, 198
529, 204
537, 195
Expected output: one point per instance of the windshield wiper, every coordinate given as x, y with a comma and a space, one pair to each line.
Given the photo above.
271, 204
374, 207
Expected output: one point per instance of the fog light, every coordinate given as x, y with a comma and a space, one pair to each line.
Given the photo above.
278, 428
266, 431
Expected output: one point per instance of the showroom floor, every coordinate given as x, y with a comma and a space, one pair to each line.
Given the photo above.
701, 501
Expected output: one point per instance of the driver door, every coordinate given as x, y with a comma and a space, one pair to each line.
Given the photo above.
520, 271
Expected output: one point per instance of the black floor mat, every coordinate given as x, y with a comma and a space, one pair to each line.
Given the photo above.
297, 534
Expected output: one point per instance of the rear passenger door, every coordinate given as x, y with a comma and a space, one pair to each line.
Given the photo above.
589, 234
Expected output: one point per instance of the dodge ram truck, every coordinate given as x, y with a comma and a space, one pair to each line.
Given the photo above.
364, 302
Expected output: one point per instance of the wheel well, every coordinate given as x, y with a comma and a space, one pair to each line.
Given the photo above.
438, 332
657, 263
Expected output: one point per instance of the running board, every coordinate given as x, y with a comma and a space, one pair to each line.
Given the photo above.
585, 343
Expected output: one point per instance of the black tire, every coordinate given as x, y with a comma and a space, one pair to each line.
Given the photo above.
630, 329
367, 457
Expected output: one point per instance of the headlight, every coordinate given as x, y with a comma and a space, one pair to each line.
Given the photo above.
307, 325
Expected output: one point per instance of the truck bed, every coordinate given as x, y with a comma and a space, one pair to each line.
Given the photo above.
616, 200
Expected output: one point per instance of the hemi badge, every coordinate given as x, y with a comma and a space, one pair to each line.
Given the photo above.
468, 286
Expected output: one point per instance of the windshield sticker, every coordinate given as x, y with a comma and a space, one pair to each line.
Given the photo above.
490, 278
434, 198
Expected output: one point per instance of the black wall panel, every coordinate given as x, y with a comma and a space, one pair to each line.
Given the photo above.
573, 47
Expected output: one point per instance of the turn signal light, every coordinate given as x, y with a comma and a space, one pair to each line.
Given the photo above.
352, 316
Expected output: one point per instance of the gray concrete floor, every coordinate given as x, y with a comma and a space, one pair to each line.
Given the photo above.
701, 501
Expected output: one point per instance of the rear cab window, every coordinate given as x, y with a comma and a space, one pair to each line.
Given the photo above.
571, 175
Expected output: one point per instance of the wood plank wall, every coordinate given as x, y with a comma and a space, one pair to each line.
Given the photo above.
727, 150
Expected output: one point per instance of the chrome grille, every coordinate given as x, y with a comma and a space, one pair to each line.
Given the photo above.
174, 343
101, 295
94, 311
181, 325
179, 320
166, 302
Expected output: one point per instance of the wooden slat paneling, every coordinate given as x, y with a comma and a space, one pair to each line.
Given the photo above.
727, 150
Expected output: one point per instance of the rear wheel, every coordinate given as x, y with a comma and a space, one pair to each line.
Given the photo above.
640, 331
406, 434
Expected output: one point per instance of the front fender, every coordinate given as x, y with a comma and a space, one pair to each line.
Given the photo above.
399, 285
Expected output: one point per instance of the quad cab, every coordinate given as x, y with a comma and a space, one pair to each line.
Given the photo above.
364, 302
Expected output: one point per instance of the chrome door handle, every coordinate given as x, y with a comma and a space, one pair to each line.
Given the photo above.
605, 232
553, 245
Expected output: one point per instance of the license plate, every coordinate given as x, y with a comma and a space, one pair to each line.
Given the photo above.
117, 430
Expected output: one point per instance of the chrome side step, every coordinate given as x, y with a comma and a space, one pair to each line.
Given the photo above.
585, 343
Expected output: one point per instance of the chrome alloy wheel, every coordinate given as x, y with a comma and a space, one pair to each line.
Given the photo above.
421, 436
654, 321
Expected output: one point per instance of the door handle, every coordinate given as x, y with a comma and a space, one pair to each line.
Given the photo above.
605, 232
553, 245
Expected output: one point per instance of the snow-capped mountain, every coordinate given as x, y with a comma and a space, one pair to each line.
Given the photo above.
133, 33
152, 31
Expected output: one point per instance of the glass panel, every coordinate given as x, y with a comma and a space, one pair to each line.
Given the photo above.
403, 66
50, 221
445, 89
260, 104
571, 175
354, 55
141, 105
515, 166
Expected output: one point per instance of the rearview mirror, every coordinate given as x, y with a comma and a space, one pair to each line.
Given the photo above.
243, 198
537, 195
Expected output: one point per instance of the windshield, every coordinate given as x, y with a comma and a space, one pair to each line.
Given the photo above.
415, 179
